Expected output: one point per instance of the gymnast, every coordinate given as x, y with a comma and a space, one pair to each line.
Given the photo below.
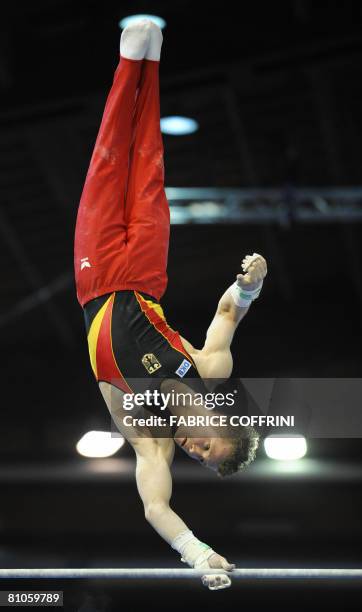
121, 249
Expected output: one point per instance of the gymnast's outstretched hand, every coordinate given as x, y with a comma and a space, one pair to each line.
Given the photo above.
254, 271
215, 582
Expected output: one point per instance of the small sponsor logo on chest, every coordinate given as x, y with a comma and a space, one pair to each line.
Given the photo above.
183, 368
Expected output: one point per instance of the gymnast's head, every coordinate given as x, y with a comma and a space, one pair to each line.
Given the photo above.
226, 454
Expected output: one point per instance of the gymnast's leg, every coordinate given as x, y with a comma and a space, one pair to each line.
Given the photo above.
147, 210
101, 232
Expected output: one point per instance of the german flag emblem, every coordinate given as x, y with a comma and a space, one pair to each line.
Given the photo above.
151, 363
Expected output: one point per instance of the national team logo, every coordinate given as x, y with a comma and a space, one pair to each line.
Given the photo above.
151, 363
183, 368
84, 263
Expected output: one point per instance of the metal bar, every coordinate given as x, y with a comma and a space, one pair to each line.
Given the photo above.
264, 206
195, 193
181, 574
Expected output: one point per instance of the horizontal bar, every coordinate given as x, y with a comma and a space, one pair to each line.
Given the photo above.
180, 574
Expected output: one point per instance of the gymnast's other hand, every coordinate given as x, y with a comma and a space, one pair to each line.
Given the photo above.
215, 582
217, 561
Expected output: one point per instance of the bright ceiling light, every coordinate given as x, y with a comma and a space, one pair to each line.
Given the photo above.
178, 126
99, 444
285, 448
126, 21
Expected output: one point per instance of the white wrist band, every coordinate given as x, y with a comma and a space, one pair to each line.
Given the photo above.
192, 551
242, 297
183, 538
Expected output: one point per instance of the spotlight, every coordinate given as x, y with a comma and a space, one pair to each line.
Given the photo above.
178, 126
285, 448
126, 21
99, 444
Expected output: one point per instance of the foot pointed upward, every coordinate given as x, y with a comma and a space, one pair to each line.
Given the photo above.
154, 48
135, 40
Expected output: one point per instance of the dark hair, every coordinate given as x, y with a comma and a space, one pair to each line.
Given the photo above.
244, 447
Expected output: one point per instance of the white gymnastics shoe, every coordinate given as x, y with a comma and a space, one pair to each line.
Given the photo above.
155, 44
135, 40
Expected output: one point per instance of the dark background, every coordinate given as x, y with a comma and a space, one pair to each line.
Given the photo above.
276, 90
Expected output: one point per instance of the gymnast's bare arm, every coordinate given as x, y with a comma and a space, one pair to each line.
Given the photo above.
154, 481
214, 360
154, 457
154, 484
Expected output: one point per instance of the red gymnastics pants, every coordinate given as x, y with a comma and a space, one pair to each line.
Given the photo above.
123, 223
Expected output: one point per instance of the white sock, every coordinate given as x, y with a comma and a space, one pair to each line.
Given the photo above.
155, 43
135, 40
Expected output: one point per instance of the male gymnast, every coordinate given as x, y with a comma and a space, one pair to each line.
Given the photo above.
121, 248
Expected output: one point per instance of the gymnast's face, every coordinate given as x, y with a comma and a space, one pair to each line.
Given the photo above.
210, 452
